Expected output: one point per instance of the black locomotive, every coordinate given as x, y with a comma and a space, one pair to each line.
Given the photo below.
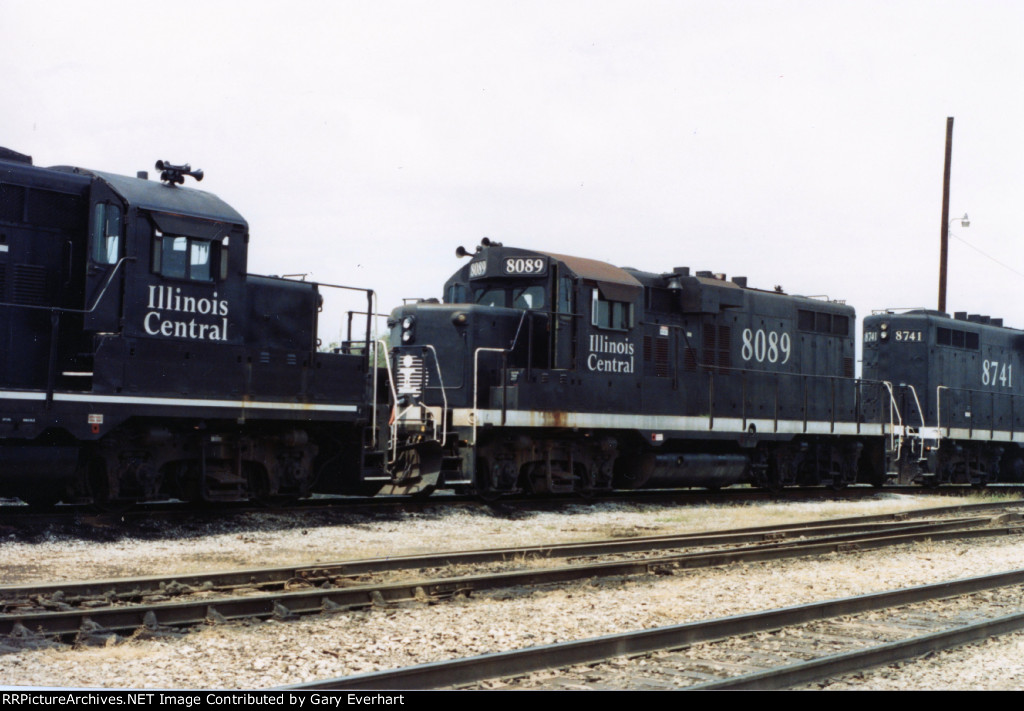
956, 381
141, 361
550, 373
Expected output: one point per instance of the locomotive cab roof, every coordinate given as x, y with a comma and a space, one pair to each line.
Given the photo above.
701, 292
493, 260
150, 195
170, 199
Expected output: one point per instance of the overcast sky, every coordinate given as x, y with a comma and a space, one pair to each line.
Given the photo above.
795, 143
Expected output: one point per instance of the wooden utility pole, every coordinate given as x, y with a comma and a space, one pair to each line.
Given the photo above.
944, 248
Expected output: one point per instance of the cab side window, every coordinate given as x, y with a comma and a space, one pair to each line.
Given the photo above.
615, 315
106, 231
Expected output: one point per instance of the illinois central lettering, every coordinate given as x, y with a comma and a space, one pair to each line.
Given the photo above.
601, 345
165, 302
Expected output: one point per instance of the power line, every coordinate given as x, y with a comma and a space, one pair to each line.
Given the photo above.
984, 254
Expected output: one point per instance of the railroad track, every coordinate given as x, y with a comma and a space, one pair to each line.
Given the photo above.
16, 515
98, 611
773, 649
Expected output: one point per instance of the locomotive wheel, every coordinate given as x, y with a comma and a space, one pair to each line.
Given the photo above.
588, 487
485, 482
98, 483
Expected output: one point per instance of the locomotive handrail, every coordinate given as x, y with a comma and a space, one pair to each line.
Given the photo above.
394, 398
476, 373
917, 402
476, 382
55, 312
894, 409
894, 309
743, 372
938, 409
444, 399
368, 314
371, 344
373, 396
370, 310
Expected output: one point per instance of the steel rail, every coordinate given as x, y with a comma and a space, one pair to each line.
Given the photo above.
77, 515
286, 605
522, 661
136, 587
856, 660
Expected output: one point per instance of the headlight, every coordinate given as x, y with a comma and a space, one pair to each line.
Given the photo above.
408, 329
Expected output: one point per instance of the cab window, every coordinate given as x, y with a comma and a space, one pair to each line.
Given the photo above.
180, 257
524, 297
490, 297
530, 297
106, 241
615, 315
456, 294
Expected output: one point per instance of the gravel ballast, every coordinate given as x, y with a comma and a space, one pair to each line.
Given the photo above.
266, 654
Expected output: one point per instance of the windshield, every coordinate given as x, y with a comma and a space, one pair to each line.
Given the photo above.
527, 297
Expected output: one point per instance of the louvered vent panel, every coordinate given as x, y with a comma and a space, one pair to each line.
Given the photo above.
690, 360
29, 285
661, 357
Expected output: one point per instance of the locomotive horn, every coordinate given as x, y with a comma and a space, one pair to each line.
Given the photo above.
460, 251
176, 173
